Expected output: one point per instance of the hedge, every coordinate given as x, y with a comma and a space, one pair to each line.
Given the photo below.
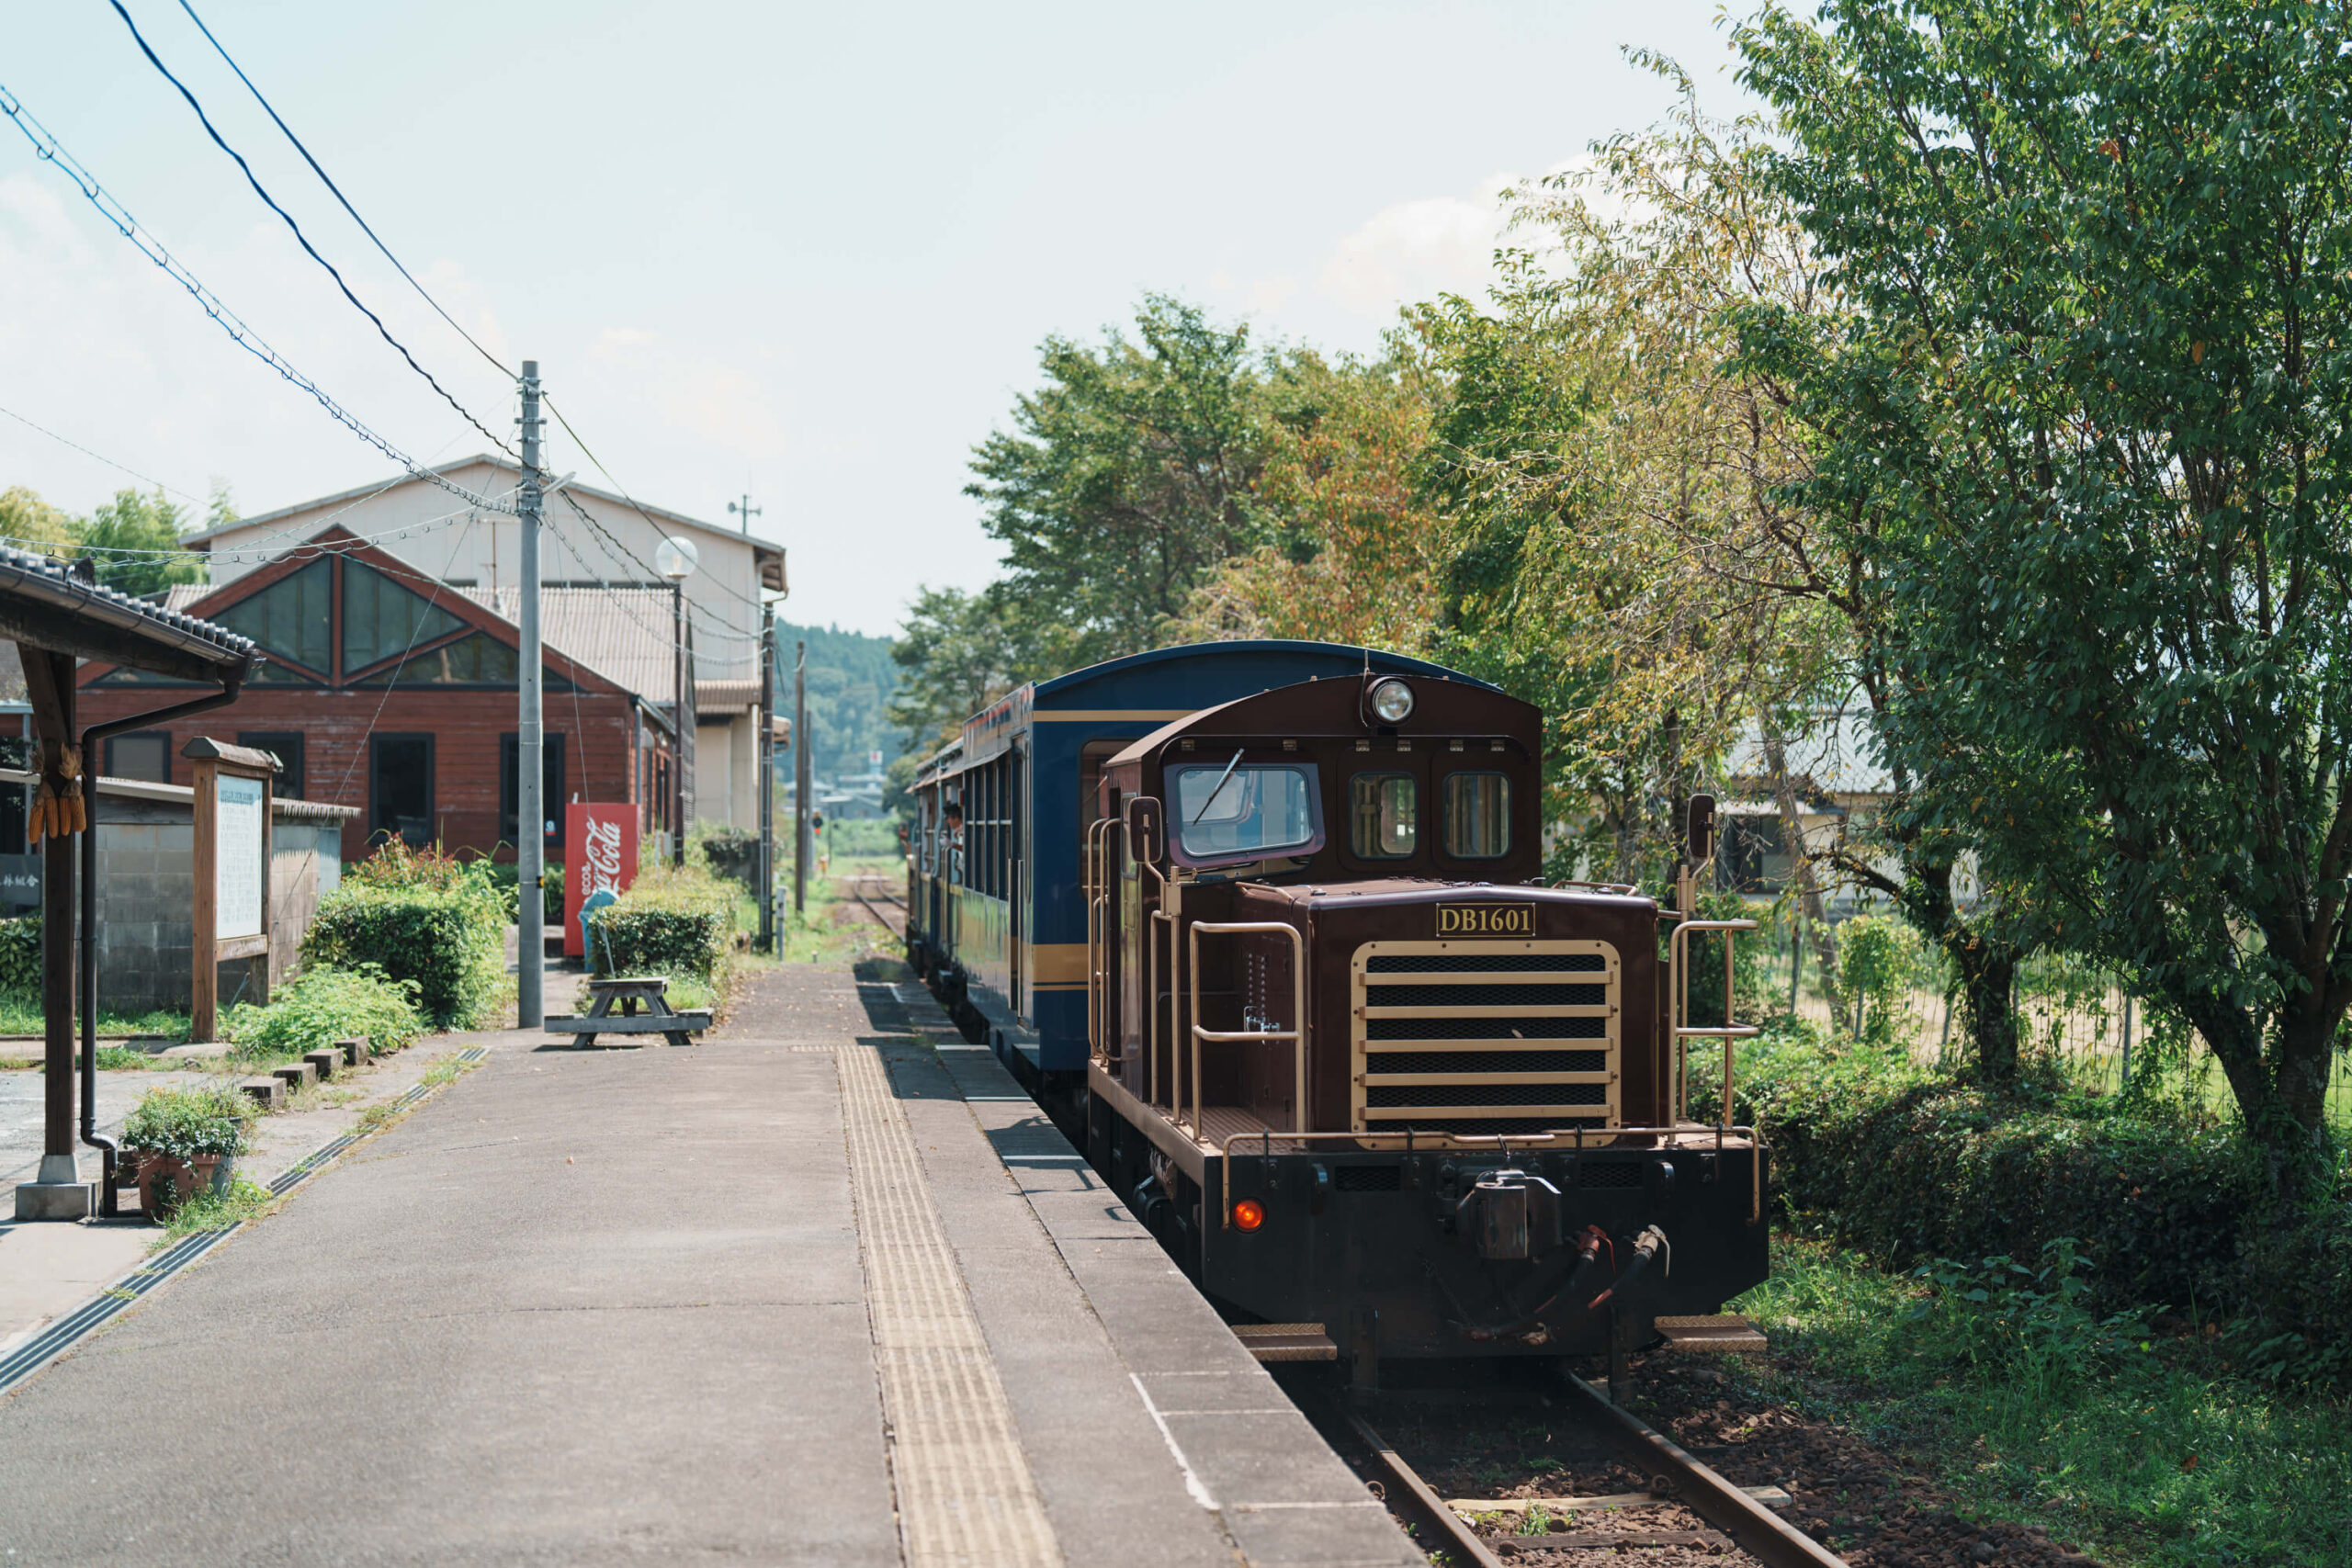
451, 943
20, 968
671, 923
1908, 1165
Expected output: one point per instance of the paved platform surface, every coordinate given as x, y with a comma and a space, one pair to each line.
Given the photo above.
808, 1292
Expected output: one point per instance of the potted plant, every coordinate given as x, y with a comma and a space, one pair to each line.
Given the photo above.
181, 1141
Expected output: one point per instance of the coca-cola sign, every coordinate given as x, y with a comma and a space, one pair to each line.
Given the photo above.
604, 857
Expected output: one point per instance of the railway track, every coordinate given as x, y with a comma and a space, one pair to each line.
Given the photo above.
1595, 1526
891, 914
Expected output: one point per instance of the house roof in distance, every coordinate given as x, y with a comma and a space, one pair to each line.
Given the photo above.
769, 556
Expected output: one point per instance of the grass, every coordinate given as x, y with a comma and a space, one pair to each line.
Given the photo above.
21, 1014
2103, 1431
111, 1059
208, 1211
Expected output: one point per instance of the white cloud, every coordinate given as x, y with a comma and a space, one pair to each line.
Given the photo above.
1418, 250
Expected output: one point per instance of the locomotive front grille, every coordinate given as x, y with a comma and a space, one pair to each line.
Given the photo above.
1483, 1036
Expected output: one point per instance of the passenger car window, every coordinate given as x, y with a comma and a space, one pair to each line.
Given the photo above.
1225, 809
1477, 816
1382, 815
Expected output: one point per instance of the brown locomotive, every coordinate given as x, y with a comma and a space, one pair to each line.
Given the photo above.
1382, 1091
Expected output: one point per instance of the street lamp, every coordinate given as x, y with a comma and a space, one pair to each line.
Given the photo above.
676, 560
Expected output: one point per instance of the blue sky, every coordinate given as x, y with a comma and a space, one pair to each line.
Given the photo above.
809, 250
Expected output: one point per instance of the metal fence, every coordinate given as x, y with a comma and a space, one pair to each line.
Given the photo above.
2093, 1025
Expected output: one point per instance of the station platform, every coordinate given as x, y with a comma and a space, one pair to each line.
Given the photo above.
823, 1289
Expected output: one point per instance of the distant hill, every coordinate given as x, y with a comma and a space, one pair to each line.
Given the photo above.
851, 679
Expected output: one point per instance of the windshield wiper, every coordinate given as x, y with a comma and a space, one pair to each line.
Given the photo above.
1220, 788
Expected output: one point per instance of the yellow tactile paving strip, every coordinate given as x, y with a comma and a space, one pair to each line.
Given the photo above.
966, 1495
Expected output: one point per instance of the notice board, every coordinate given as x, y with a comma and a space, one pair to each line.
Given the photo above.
241, 870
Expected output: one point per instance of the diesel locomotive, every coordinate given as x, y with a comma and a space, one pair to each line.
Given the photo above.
1263, 926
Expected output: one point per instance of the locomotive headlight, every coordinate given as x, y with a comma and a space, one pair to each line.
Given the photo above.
1249, 1214
1392, 701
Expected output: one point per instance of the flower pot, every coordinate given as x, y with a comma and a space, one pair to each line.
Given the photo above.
165, 1181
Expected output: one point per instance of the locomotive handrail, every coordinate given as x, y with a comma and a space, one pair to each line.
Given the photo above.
1377, 1141
1679, 1007
1160, 915
1295, 1035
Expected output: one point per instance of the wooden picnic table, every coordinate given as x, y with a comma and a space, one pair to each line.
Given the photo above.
660, 1017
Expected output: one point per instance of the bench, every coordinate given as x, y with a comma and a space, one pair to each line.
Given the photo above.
660, 1017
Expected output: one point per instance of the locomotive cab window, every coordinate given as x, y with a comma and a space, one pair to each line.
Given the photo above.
1477, 816
1382, 822
1223, 809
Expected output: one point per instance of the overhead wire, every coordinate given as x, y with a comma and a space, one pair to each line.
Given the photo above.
623, 490
329, 182
46, 146
99, 457
301, 239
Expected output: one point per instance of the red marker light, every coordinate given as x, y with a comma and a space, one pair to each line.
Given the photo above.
1249, 1214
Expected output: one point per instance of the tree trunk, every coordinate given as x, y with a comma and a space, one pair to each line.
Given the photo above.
1816, 921
1988, 972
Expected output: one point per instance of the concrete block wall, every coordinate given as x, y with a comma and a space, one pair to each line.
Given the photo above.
146, 923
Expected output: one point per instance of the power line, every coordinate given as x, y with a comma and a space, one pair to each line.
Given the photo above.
382, 330
110, 462
625, 495
46, 145
329, 184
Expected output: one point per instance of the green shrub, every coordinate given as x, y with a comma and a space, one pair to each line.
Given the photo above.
552, 895
422, 917
321, 1006
1875, 956
1910, 1166
20, 954
201, 1119
671, 922
734, 854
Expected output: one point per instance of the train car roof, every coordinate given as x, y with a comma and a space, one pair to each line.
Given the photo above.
1162, 685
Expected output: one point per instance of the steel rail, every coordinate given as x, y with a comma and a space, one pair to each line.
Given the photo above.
857, 891
1758, 1531
1410, 1495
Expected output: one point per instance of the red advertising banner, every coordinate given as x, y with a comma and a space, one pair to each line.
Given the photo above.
602, 840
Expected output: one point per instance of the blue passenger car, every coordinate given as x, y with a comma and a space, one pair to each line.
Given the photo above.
996, 920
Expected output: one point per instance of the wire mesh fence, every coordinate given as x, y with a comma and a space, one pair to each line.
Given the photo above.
2090, 1021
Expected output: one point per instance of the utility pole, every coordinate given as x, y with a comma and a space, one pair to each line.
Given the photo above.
766, 775
801, 745
679, 676
530, 809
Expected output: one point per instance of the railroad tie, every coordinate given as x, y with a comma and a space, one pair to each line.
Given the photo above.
964, 1491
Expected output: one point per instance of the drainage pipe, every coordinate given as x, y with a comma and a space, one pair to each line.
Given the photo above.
231, 684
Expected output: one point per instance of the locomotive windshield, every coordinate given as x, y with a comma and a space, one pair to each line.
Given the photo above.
1236, 807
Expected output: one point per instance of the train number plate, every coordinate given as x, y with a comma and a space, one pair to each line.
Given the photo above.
1486, 920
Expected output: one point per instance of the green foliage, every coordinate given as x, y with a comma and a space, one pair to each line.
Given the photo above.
1876, 955
422, 917
1127, 477
199, 1119
957, 653
321, 1006
678, 922
851, 681
2140, 1438
1909, 1166
135, 522
31, 523
2092, 423
205, 1210
20, 966
734, 854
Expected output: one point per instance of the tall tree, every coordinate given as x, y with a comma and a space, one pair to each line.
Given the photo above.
957, 653
1128, 477
1356, 554
134, 544
2094, 393
31, 523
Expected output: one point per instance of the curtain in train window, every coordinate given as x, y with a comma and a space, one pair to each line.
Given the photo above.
1382, 815
1477, 816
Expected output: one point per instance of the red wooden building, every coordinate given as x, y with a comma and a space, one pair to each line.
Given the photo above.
388, 690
